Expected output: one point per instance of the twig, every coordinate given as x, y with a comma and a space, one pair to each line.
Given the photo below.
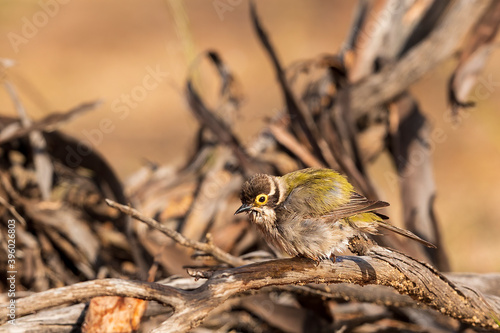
208, 247
295, 107
48, 123
218, 128
221, 128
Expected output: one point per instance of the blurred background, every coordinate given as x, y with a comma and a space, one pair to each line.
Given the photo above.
135, 57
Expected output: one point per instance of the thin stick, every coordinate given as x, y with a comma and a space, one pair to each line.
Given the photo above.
208, 247
48, 123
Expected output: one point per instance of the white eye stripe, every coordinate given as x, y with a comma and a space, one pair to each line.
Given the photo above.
282, 190
277, 187
273, 186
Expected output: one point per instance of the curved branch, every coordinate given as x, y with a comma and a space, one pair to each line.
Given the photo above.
84, 291
382, 267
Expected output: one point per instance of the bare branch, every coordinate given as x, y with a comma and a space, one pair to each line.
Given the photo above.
410, 136
84, 291
220, 127
302, 121
381, 267
208, 247
48, 123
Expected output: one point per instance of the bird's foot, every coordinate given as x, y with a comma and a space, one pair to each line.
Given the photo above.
333, 258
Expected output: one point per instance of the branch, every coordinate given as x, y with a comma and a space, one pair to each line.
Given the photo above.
302, 121
69, 318
12, 210
381, 267
84, 291
411, 135
208, 247
48, 123
219, 127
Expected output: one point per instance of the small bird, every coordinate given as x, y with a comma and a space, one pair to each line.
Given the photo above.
312, 212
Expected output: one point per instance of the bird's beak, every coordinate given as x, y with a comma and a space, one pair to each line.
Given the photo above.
243, 208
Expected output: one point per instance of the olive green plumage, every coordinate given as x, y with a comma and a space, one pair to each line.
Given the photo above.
312, 212
318, 190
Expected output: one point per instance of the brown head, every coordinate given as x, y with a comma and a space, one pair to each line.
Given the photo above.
260, 195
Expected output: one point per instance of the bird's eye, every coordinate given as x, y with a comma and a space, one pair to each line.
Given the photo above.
261, 199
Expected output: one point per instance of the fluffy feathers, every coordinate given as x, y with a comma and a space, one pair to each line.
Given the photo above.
312, 212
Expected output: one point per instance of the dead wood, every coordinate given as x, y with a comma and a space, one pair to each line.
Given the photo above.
411, 137
392, 36
441, 43
220, 127
48, 123
302, 122
68, 318
473, 58
381, 267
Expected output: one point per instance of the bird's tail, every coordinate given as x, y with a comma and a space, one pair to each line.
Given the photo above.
405, 233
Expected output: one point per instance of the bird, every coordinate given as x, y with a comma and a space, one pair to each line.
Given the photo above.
313, 213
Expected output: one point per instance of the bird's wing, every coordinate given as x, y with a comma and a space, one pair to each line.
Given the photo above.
317, 192
360, 205
324, 192
357, 204
328, 196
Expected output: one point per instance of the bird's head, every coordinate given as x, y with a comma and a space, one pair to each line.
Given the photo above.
259, 196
